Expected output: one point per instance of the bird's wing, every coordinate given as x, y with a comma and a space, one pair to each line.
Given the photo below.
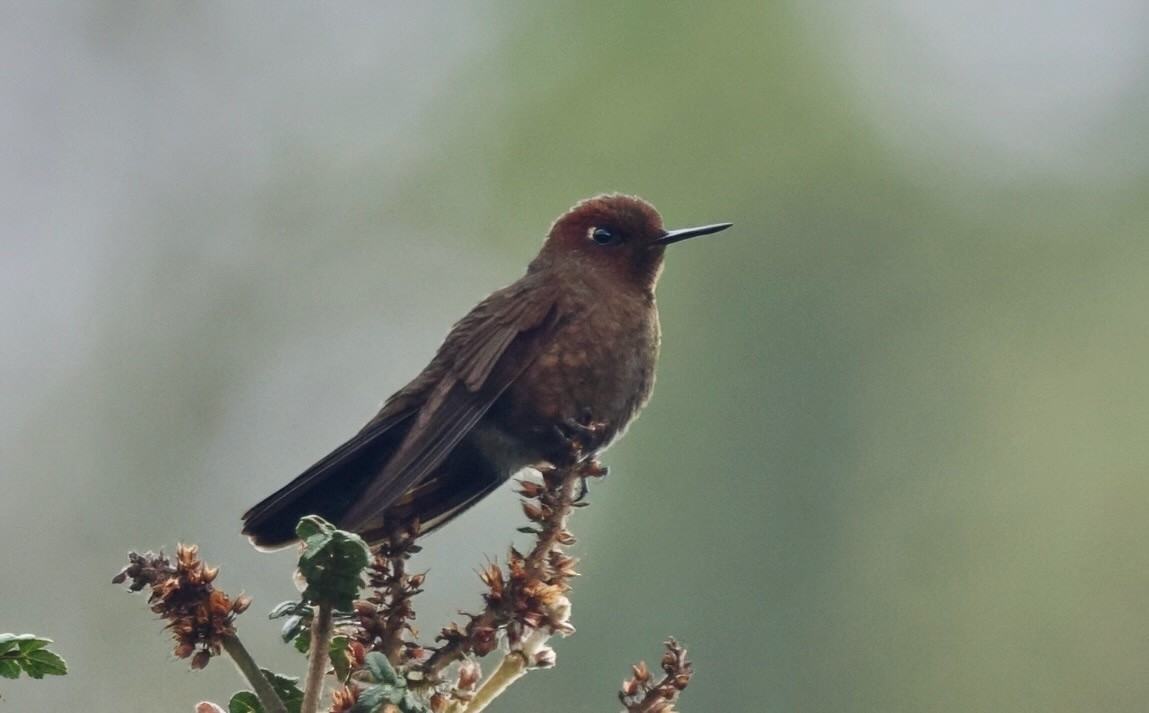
482, 356
271, 522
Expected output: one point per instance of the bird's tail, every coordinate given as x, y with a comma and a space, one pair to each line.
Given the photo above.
328, 489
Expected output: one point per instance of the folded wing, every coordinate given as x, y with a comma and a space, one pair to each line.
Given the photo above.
419, 427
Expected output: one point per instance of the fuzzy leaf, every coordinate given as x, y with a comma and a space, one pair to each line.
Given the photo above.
289, 608
9, 641
22, 642
381, 671
295, 626
41, 662
28, 652
244, 702
302, 642
371, 699
28, 643
292, 628
310, 526
332, 563
9, 668
337, 651
286, 687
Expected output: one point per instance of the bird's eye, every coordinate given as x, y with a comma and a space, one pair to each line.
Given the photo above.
602, 236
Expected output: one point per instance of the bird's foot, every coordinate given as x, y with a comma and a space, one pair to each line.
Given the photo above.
591, 468
582, 437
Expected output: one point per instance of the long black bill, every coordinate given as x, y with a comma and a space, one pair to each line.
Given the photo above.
673, 236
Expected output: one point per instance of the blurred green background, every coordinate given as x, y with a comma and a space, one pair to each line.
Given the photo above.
896, 459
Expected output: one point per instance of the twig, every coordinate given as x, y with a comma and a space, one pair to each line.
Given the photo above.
385, 615
250, 670
528, 601
317, 664
642, 694
511, 668
561, 501
198, 614
395, 612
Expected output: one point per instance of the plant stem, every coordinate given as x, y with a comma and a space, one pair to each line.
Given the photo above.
392, 637
511, 668
563, 496
317, 663
251, 672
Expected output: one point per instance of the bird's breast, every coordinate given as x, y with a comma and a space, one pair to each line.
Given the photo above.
599, 366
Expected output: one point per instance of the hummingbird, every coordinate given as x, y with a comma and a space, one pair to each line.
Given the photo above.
571, 344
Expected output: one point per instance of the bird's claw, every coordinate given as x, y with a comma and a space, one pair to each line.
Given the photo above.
595, 469
592, 468
582, 437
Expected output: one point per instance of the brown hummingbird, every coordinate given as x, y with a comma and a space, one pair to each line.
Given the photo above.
572, 343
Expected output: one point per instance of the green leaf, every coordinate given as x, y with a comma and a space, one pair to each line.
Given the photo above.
244, 702
42, 662
372, 699
28, 652
295, 626
291, 628
408, 704
290, 608
380, 669
310, 526
302, 641
337, 651
28, 643
9, 641
332, 563
402, 699
287, 688
9, 668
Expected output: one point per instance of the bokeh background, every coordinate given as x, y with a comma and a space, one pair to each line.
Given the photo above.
897, 456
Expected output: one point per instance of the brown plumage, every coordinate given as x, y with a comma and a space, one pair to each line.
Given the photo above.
571, 343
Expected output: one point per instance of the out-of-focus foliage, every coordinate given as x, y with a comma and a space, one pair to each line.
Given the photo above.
897, 443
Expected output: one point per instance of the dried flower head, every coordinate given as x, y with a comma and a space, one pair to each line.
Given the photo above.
385, 616
343, 699
198, 614
439, 702
642, 694
526, 599
469, 675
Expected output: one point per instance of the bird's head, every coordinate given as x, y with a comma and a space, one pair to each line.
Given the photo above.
617, 235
